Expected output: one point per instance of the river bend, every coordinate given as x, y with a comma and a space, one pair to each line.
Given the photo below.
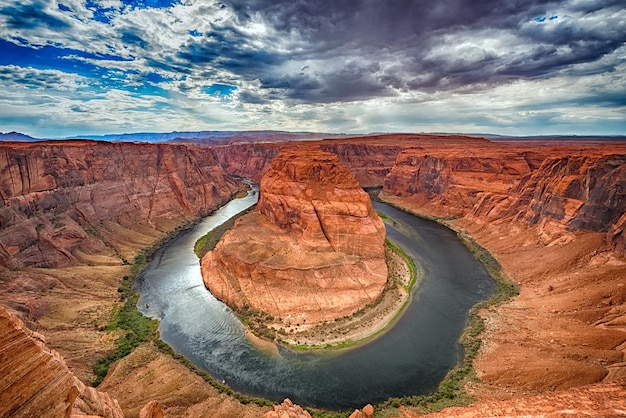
410, 358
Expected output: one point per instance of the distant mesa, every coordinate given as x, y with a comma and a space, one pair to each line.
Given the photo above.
312, 251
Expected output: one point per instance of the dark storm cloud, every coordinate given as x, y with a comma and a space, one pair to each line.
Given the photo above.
401, 34
134, 38
228, 49
31, 16
348, 83
392, 23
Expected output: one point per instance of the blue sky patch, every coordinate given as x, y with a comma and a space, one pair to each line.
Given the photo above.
219, 90
155, 4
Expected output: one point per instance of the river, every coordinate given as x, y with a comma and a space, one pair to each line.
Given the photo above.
410, 358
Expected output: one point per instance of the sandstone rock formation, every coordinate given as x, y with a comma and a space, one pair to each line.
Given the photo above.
313, 251
367, 412
247, 160
598, 401
560, 190
63, 202
553, 217
35, 381
151, 410
287, 410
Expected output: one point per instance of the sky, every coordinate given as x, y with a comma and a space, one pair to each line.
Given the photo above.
509, 67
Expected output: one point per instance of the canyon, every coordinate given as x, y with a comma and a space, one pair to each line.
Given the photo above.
75, 214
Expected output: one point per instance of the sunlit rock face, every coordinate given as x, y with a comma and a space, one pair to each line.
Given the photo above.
560, 191
312, 195
36, 381
64, 201
314, 249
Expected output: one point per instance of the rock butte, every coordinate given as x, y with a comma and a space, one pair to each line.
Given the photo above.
314, 249
72, 213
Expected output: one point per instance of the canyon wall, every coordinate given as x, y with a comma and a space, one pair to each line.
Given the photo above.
247, 160
369, 158
63, 202
314, 249
561, 191
73, 217
553, 216
554, 219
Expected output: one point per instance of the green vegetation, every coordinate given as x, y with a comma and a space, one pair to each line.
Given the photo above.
408, 260
506, 289
386, 218
208, 242
135, 327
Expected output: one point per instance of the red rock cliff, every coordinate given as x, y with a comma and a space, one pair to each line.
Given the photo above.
559, 190
369, 159
313, 251
61, 201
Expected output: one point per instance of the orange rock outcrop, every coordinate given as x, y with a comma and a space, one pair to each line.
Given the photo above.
35, 381
598, 401
287, 410
314, 249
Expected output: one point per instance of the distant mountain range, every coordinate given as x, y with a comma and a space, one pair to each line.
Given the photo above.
229, 137
214, 137
197, 137
17, 137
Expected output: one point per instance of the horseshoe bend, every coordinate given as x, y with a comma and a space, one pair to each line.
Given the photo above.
75, 214
313, 251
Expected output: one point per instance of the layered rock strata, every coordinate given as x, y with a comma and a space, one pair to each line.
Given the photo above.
554, 218
560, 190
35, 381
63, 202
314, 249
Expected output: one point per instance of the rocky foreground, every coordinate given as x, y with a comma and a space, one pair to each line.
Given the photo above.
313, 251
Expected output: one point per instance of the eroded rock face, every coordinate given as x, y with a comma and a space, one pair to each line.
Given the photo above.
35, 381
313, 196
287, 410
559, 190
61, 202
313, 251
553, 217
